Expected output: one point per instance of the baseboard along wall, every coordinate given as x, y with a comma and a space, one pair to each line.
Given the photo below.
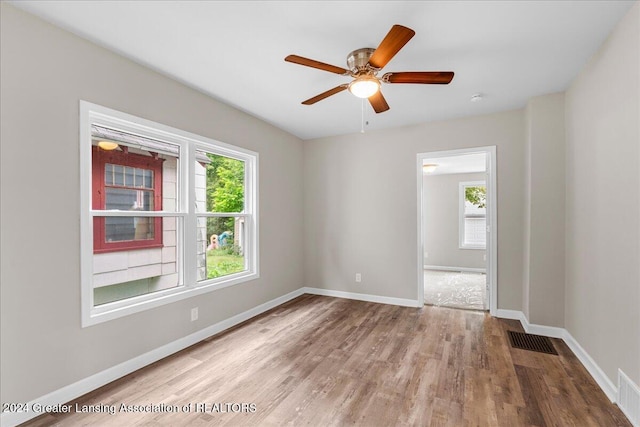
363, 297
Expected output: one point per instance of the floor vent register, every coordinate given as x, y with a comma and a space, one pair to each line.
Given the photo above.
531, 342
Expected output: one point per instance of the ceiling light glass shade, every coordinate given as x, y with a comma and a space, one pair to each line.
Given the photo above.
429, 168
107, 145
364, 86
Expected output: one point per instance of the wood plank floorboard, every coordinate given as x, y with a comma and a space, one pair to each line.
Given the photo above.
321, 361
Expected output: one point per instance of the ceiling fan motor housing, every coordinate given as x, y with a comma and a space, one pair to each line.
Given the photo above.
358, 60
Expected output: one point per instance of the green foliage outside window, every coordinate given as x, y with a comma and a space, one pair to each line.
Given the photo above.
476, 196
225, 191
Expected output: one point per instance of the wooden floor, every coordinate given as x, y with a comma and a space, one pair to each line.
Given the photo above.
324, 361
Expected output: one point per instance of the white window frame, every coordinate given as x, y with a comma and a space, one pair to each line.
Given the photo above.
185, 213
461, 216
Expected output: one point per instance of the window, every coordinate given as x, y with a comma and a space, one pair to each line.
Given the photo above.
127, 182
220, 216
165, 214
473, 215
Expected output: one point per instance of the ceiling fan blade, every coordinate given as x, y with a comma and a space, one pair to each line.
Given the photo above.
315, 64
395, 39
424, 77
324, 95
378, 102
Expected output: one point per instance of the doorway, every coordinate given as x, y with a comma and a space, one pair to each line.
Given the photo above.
457, 242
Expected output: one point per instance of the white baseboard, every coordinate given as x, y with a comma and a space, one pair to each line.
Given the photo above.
554, 332
511, 314
363, 297
77, 389
445, 268
596, 372
547, 331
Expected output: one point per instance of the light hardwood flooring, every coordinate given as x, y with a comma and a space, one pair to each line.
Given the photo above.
324, 361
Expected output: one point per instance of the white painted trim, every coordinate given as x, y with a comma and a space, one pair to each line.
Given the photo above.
502, 313
363, 297
461, 269
590, 365
420, 227
492, 215
547, 331
77, 389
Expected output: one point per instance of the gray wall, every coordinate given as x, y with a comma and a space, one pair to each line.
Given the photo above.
361, 204
543, 283
442, 220
44, 73
602, 300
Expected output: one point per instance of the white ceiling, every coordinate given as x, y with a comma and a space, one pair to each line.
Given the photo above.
466, 163
234, 51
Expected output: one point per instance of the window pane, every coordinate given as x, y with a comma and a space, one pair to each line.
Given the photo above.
219, 183
475, 231
108, 174
139, 178
475, 200
128, 176
118, 178
473, 220
148, 179
120, 229
122, 275
220, 246
127, 273
127, 200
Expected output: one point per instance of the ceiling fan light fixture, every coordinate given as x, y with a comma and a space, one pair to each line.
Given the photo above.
429, 168
364, 86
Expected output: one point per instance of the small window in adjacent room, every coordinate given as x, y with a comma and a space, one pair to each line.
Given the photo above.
166, 214
473, 215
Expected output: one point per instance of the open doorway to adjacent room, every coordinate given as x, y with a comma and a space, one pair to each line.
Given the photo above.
457, 243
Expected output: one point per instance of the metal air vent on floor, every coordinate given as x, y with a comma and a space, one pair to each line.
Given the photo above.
531, 342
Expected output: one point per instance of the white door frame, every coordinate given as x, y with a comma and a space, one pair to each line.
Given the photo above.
492, 219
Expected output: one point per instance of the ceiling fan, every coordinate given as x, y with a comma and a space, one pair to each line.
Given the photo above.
364, 65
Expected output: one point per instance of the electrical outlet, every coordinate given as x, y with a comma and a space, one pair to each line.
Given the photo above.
194, 314
484, 257
426, 254
358, 277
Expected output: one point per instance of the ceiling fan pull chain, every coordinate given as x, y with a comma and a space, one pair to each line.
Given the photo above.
362, 126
